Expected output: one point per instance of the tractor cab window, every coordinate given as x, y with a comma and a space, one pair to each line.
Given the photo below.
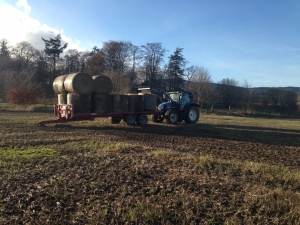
185, 98
175, 97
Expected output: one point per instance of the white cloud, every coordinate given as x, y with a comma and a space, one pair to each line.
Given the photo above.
16, 25
23, 4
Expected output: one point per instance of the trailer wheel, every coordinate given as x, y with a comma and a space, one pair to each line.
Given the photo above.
115, 120
130, 119
172, 116
142, 119
192, 115
156, 118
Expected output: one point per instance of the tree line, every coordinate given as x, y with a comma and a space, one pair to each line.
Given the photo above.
27, 74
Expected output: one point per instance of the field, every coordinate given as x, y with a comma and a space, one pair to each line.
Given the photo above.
222, 170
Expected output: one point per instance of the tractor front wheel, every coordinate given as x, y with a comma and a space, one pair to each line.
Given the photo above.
172, 116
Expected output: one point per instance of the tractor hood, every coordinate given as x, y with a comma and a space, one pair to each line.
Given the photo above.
164, 106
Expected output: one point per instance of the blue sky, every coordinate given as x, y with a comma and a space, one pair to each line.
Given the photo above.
257, 41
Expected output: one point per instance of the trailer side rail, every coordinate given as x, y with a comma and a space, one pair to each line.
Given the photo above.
65, 114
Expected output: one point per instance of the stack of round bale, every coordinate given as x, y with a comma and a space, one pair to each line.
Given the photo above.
101, 98
135, 103
85, 92
119, 103
150, 101
75, 89
91, 94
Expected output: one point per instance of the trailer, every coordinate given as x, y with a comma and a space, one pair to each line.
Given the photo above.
65, 114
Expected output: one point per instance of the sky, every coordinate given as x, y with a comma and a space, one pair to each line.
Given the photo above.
257, 41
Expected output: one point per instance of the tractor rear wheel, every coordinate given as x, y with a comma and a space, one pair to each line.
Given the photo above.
142, 119
192, 115
172, 116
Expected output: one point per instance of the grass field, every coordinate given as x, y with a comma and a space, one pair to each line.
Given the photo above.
222, 170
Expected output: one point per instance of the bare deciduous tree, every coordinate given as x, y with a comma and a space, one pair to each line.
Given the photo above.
190, 72
121, 83
72, 61
201, 85
24, 57
228, 92
117, 55
152, 54
95, 65
249, 96
136, 57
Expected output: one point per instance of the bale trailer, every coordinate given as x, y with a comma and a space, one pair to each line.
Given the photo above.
65, 114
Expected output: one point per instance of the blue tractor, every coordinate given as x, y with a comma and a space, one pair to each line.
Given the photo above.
178, 106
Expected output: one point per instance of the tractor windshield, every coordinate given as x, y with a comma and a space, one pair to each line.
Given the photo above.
175, 97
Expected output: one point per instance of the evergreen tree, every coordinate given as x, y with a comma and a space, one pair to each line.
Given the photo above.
54, 48
4, 52
175, 70
95, 50
4, 55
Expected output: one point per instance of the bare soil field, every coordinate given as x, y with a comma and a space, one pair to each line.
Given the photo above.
222, 170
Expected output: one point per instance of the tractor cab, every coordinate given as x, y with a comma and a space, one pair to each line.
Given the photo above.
176, 99
181, 98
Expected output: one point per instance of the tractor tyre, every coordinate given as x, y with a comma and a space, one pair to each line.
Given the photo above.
115, 120
172, 116
156, 118
130, 119
192, 115
142, 119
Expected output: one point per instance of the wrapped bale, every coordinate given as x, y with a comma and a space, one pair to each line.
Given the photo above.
135, 103
119, 103
79, 83
81, 103
101, 103
150, 101
62, 99
102, 84
58, 85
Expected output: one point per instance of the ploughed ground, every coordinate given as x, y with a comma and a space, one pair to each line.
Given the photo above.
97, 173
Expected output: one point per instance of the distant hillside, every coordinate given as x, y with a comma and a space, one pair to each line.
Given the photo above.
262, 89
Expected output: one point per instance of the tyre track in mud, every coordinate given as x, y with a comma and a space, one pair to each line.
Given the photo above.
211, 143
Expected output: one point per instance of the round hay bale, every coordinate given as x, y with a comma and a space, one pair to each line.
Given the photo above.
79, 83
150, 101
135, 103
119, 103
58, 85
102, 84
81, 103
101, 103
62, 99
